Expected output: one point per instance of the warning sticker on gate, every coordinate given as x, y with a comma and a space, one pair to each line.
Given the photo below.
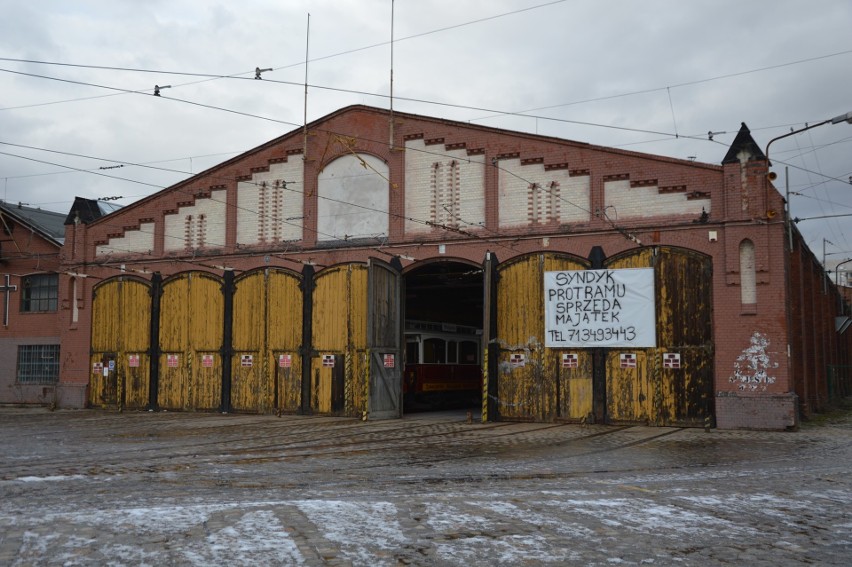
133, 360
246, 361
172, 360
600, 308
207, 361
97, 368
517, 360
628, 360
328, 360
389, 361
569, 361
285, 360
671, 360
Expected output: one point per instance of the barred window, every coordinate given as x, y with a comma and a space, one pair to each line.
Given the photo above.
38, 364
41, 293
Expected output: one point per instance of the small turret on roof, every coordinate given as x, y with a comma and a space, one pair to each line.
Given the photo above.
89, 210
743, 144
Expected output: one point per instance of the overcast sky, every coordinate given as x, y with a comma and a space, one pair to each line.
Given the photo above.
652, 76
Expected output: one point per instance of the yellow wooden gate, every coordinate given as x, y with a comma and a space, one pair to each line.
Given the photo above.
121, 327
339, 324
655, 392
267, 333
191, 327
532, 383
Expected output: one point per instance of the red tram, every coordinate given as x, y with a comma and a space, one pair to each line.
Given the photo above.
442, 366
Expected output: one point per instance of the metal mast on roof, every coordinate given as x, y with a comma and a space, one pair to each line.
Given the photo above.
305, 118
390, 145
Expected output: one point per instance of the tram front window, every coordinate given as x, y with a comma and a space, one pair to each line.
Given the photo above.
434, 351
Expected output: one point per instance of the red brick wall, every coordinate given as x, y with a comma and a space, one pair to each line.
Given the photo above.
25, 252
740, 205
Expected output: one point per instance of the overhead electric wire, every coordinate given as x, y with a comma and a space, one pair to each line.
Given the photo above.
301, 63
82, 170
678, 85
293, 124
288, 123
408, 99
274, 120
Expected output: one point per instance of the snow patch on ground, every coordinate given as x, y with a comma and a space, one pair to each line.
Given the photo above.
257, 534
54, 478
359, 528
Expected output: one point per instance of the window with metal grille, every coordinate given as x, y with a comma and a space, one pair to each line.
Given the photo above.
38, 364
41, 293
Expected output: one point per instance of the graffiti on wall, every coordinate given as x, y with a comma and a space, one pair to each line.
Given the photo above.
753, 366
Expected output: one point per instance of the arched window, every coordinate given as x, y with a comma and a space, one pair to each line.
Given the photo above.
748, 279
354, 193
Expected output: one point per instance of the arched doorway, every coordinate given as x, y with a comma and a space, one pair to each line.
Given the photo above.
443, 334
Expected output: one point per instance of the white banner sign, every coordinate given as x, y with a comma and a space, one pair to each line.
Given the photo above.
600, 308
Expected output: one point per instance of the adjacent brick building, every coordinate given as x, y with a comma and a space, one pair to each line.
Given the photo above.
278, 280
29, 290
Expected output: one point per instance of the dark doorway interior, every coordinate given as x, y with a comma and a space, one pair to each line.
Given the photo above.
443, 333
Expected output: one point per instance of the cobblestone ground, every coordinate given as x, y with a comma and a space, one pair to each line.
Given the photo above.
101, 488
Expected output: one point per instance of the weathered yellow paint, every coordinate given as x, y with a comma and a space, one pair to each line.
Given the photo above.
105, 316
136, 380
284, 306
320, 386
121, 319
340, 308
632, 390
206, 381
650, 393
251, 387
191, 324
340, 327
267, 322
539, 390
251, 390
289, 381
250, 312
574, 394
173, 391
284, 336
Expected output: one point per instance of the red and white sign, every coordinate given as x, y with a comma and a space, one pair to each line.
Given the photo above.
98, 368
518, 360
133, 360
671, 360
328, 360
247, 361
207, 360
628, 360
389, 361
569, 361
285, 360
172, 360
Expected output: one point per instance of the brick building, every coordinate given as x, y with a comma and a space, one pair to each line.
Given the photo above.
29, 335
281, 280
32, 312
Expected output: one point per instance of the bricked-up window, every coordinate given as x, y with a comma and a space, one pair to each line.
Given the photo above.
38, 364
748, 279
40, 293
